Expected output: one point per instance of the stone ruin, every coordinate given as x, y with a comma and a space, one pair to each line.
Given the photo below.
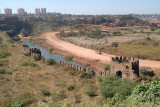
34, 51
78, 68
31, 51
125, 67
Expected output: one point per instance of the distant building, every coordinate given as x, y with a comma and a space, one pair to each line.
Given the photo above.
37, 12
21, 12
8, 12
43, 11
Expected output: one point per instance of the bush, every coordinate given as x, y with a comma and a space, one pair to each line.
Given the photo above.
116, 34
106, 67
113, 85
45, 91
88, 74
32, 64
25, 99
148, 38
27, 54
50, 61
68, 58
55, 96
2, 71
70, 87
4, 54
28, 64
25, 64
3, 62
91, 91
12, 45
155, 44
115, 44
149, 92
37, 57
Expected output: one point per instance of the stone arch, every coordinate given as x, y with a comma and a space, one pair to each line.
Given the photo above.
119, 73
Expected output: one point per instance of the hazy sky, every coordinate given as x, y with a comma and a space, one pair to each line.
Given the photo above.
85, 6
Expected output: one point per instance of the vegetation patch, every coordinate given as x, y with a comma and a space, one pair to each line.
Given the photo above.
149, 92
50, 61
88, 74
24, 100
91, 91
113, 85
68, 58
2, 71
4, 54
106, 67
28, 64
70, 87
26, 54
45, 91
37, 57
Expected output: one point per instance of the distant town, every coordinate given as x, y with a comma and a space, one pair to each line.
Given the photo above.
22, 12
42, 11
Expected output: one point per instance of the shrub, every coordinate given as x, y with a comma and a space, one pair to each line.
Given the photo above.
37, 57
28, 64
51, 49
77, 98
50, 61
70, 87
25, 99
3, 62
25, 64
27, 54
55, 96
88, 74
106, 67
12, 45
2, 71
90, 91
148, 38
116, 34
149, 92
113, 85
115, 44
4, 54
32, 64
68, 58
155, 44
45, 91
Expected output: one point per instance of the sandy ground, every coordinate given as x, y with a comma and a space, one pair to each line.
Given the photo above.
87, 54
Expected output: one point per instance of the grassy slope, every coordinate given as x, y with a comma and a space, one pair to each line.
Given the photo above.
21, 80
143, 49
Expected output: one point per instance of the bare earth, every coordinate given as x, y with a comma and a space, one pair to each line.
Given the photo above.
87, 54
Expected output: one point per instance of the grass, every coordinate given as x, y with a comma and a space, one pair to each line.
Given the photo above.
140, 49
27, 85
28, 64
70, 87
45, 91
2, 71
24, 99
4, 54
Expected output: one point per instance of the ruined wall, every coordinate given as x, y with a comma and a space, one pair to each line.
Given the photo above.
126, 67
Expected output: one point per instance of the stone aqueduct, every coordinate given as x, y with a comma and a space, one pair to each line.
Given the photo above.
125, 67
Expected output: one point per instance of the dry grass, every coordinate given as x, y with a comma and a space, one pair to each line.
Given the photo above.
20, 80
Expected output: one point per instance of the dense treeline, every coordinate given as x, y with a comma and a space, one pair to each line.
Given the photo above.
11, 24
36, 25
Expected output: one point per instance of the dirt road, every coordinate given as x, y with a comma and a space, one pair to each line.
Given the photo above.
89, 54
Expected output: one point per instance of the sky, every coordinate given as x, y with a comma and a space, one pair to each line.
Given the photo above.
93, 7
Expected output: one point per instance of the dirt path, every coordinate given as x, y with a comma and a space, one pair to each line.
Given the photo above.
89, 54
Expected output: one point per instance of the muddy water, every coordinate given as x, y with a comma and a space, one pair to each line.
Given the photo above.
47, 55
